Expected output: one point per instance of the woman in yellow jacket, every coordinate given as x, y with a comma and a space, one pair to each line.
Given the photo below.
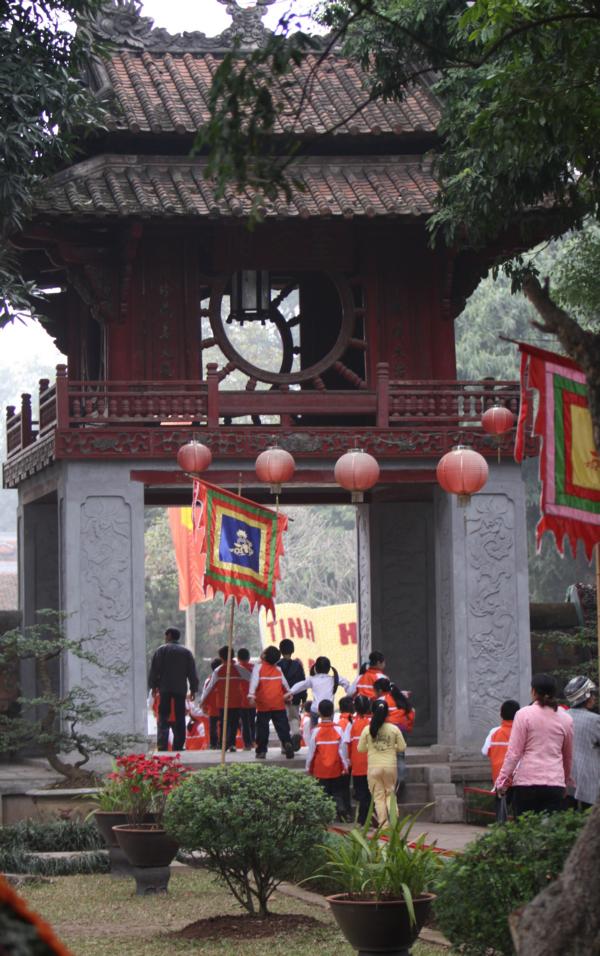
382, 742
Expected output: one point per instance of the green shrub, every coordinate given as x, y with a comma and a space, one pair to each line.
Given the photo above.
21, 842
253, 825
311, 869
51, 836
502, 870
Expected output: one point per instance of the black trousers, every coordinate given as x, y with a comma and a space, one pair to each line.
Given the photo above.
213, 732
362, 795
248, 718
162, 729
280, 723
338, 788
233, 722
537, 799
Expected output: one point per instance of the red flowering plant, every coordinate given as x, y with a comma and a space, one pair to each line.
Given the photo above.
144, 783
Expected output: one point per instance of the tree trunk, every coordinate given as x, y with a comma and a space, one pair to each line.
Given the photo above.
75, 777
564, 919
579, 344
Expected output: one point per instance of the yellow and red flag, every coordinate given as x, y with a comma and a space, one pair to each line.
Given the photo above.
569, 461
189, 557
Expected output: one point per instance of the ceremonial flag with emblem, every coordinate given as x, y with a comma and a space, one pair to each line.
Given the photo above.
189, 558
242, 544
569, 461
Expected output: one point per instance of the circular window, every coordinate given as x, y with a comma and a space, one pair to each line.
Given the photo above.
282, 328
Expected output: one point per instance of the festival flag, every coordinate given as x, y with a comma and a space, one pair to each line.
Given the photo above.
569, 461
242, 544
189, 558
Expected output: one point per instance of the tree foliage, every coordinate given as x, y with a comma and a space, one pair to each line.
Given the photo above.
253, 826
58, 723
517, 155
499, 872
44, 107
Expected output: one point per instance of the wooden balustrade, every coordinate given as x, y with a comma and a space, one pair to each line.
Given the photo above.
448, 403
426, 405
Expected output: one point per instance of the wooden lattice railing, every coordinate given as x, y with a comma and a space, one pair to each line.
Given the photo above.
426, 405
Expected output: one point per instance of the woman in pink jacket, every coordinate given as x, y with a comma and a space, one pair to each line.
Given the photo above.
540, 752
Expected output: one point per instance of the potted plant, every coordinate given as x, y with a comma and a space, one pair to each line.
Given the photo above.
145, 783
384, 882
111, 799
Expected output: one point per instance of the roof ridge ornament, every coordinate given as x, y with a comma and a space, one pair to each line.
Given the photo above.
246, 26
122, 23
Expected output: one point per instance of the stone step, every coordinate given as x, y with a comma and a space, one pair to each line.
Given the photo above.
410, 807
427, 755
415, 792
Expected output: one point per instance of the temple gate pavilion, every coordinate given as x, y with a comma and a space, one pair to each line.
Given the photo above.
349, 338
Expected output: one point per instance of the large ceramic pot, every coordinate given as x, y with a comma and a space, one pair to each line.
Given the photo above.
379, 926
146, 844
105, 821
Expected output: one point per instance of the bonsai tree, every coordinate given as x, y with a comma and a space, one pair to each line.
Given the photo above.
57, 724
253, 825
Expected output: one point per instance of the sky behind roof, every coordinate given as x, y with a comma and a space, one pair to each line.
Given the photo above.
209, 16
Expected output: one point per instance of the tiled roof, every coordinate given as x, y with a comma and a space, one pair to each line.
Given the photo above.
112, 185
168, 92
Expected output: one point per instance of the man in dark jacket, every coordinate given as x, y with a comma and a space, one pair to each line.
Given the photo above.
171, 670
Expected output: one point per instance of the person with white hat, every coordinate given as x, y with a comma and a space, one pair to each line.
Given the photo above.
582, 695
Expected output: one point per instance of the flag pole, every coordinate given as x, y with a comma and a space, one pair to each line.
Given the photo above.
229, 656
597, 553
227, 681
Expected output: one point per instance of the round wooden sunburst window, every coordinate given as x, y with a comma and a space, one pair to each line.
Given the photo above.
289, 321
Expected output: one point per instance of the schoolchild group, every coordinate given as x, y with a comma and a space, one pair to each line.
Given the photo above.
360, 747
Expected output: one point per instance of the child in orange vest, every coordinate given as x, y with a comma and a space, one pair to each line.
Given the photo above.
209, 707
496, 744
267, 691
327, 758
346, 706
358, 761
367, 675
343, 721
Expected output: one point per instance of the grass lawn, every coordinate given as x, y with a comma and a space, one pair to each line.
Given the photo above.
102, 916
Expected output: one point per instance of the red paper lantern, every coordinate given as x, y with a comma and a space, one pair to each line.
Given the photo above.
462, 472
356, 471
275, 466
497, 420
194, 457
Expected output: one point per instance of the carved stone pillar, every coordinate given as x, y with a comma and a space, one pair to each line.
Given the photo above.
399, 541
363, 589
482, 608
101, 516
